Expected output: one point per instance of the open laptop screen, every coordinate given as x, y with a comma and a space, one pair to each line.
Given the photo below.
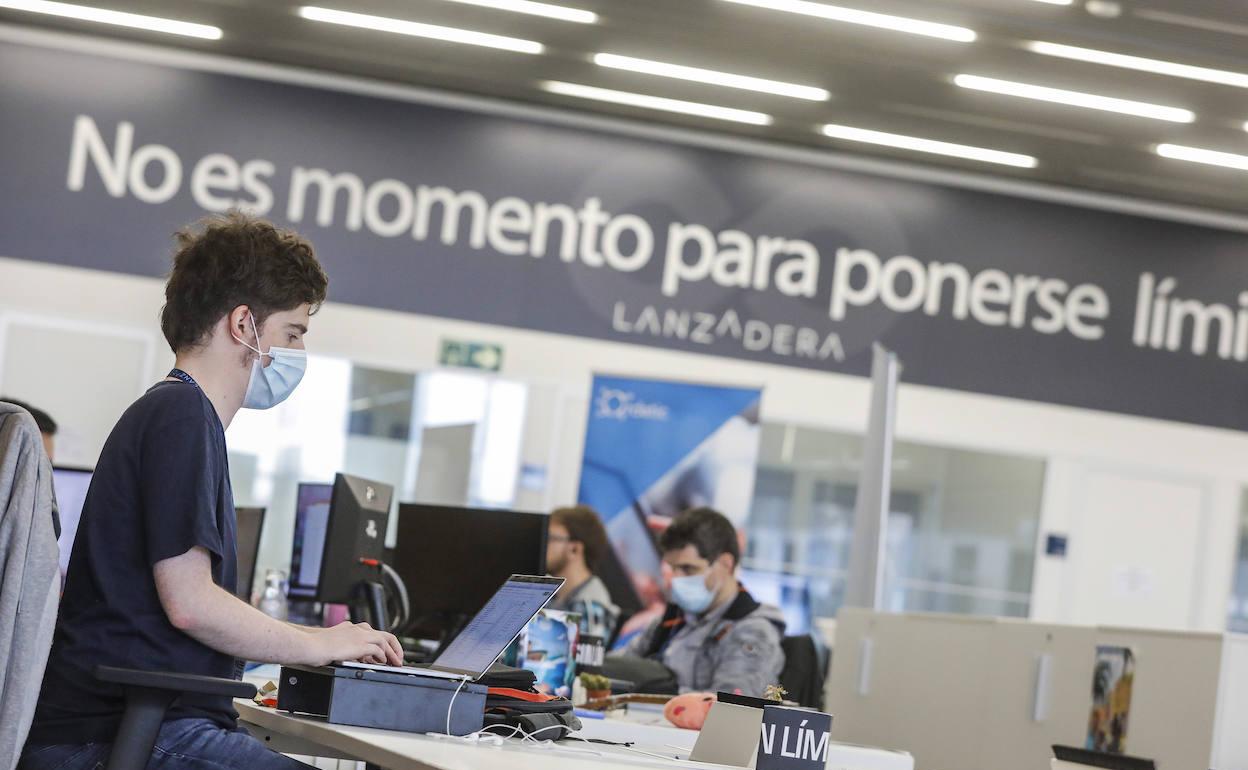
493, 628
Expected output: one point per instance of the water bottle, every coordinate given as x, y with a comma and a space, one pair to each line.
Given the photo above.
273, 600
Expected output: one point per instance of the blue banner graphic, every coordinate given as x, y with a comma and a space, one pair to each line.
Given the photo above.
656, 448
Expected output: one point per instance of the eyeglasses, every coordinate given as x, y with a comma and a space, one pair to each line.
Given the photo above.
558, 539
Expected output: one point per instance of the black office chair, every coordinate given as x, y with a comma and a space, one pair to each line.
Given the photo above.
149, 694
805, 672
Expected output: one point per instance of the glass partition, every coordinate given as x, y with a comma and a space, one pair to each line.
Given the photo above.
438, 437
1237, 609
962, 528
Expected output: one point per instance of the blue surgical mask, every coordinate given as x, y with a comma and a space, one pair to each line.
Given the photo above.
691, 594
271, 385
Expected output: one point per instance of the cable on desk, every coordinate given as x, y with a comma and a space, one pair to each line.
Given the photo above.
602, 741
451, 707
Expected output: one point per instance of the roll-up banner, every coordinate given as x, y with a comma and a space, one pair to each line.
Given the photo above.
654, 449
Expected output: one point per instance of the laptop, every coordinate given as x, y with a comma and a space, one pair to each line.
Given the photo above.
487, 635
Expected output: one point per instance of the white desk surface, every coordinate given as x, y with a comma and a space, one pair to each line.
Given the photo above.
309, 736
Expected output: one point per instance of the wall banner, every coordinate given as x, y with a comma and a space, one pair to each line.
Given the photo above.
526, 223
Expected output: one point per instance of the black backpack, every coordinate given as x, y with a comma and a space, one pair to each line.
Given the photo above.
514, 707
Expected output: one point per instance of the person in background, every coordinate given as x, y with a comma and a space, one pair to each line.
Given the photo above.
575, 547
47, 430
150, 582
47, 426
713, 635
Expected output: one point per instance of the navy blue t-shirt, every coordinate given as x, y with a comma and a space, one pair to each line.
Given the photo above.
161, 487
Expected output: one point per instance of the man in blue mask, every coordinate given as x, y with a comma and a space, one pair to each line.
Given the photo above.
150, 580
713, 635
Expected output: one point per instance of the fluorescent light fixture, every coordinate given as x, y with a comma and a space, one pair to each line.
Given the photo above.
559, 12
713, 77
918, 144
432, 31
656, 103
1208, 157
1156, 66
1075, 98
866, 18
118, 18
1057, 2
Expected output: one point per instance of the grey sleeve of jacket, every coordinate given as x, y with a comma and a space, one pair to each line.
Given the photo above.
30, 590
750, 658
641, 642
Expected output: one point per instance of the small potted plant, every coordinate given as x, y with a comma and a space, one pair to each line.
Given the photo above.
596, 686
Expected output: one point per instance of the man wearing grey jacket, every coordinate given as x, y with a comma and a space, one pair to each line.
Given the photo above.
713, 635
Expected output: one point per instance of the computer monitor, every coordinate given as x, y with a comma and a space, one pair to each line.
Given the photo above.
355, 537
70, 486
454, 559
250, 524
311, 519
791, 593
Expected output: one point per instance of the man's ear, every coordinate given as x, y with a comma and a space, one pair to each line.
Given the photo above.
727, 562
239, 322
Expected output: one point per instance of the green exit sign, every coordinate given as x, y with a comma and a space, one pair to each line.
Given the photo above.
471, 355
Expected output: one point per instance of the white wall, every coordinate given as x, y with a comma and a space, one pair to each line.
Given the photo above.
1071, 440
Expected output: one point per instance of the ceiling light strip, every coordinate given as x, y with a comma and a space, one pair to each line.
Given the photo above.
866, 18
1075, 98
711, 77
418, 29
918, 144
116, 18
656, 103
560, 12
1139, 63
1198, 155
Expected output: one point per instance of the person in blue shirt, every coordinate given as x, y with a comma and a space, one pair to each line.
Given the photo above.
153, 567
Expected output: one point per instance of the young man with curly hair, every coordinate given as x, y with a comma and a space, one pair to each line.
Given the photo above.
154, 559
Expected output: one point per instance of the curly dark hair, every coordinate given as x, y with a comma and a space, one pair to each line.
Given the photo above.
705, 529
584, 526
236, 259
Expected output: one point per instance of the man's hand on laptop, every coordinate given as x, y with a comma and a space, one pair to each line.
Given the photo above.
354, 641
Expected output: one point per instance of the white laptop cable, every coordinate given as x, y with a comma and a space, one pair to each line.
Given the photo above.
451, 707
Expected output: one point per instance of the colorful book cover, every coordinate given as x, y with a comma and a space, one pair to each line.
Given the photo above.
1112, 679
548, 648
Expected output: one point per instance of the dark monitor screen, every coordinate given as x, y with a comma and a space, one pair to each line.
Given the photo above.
250, 525
311, 519
454, 559
70, 486
1090, 758
358, 513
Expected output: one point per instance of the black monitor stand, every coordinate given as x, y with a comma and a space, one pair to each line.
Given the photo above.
368, 604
